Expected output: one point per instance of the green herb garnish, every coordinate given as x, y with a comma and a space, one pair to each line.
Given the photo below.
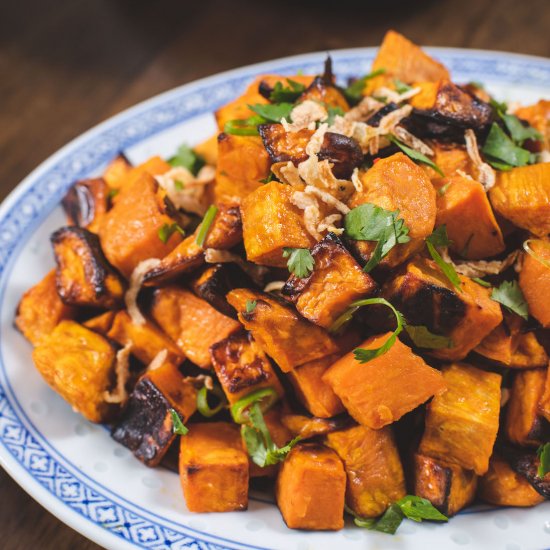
333, 112
439, 238
443, 189
179, 185
167, 230
251, 305
269, 179
501, 152
415, 155
244, 127
354, 92
206, 223
423, 338
186, 157
300, 261
273, 112
481, 282
113, 193
177, 425
510, 296
202, 401
286, 94
265, 397
400, 86
543, 452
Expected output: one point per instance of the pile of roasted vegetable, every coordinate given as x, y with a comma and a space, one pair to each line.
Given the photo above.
345, 290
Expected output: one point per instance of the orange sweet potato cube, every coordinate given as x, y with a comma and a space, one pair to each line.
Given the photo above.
154, 166
374, 472
462, 423
538, 116
272, 222
101, 323
116, 171
381, 391
289, 339
311, 488
214, 468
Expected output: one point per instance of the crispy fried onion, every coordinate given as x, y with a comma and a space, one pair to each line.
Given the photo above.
187, 191
136, 280
158, 360
274, 286
394, 96
122, 371
305, 115
485, 174
200, 380
256, 272
356, 180
480, 268
412, 141
365, 109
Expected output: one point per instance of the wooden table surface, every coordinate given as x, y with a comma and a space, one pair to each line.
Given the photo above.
69, 64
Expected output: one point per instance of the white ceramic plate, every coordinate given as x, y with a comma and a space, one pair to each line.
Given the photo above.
73, 468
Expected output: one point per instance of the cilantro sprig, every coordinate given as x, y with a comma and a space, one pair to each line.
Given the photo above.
439, 238
287, 94
400, 86
369, 222
509, 294
300, 261
423, 338
415, 155
178, 426
502, 153
543, 453
354, 92
264, 113
186, 157
250, 305
272, 112
167, 230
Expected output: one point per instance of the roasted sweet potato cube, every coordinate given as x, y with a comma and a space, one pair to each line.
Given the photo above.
450, 158
308, 427
242, 367
312, 391
41, 309
147, 340
374, 472
336, 281
154, 166
426, 297
397, 183
522, 195
284, 335
101, 323
272, 222
524, 423
467, 214
208, 150
79, 364
129, 232
381, 391
84, 276
311, 488
85, 202
242, 163
462, 423
447, 486
504, 487
116, 171
214, 468
544, 403
191, 322
534, 280
146, 426
321, 90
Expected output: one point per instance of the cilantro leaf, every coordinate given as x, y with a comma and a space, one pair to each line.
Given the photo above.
186, 157
418, 509
354, 92
177, 425
333, 112
287, 94
518, 132
369, 222
251, 305
273, 112
423, 338
167, 230
400, 86
390, 520
543, 452
244, 127
439, 238
502, 152
510, 296
270, 178
300, 261
415, 155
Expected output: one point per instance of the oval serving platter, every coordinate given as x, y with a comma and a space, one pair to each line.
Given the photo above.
73, 468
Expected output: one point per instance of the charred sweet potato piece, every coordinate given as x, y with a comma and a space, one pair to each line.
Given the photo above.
242, 367
284, 335
242, 163
524, 423
79, 364
326, 93
101, 323
447, 486
534, 280
85, 202
116, 171
504, 487
312, 391
522, 195
538, 116
129, 231
191, 322
309, 427
84, 277
462, 423
397, 183
374, 472
311, 488
272, 222
425, 297
381, 391
147, 340
335, 282
146, 426
471, 225
226, 229
41, 309
214, 468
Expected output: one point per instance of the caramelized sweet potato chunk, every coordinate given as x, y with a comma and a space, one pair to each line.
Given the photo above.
524, 423
272, 222
311, 488
323, 91
214, 468
41, 309
447, 486
146, 426
462, 423
101, 323
504, 487
84, 277
381, 391
336, 281
79, 364
397, 183
191, 322
155, 166
425, 297
309, 427
544, 403
534, 280
286, 337
85, 202
116, 171
242, 367
522, 195
374, 472
450, 158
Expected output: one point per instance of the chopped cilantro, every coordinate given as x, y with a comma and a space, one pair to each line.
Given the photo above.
439, 238
251, 305
186, 157
501, 152
510, 296
543, 452
287, 94
400, 86
423, 338
354, 92
167, 230
244, 127
300, 261
177, 425
274, 112
415, 155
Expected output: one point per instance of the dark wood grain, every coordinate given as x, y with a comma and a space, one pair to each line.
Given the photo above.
69, 64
